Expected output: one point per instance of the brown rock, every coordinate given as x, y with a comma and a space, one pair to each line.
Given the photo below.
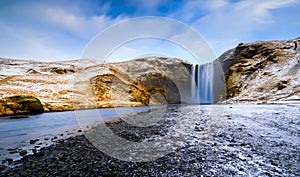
254, 72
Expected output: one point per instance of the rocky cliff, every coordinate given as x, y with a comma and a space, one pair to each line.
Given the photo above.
80, 84
262, 71
254, 72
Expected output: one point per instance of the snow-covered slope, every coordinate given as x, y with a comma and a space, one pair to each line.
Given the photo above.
263, 71
66, 85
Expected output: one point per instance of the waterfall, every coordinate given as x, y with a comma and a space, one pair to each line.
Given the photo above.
201, 84
194, 91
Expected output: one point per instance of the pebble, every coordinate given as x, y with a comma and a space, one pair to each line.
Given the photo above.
23, 152
13, 151
242, 157
60, 140
9, 160
232, 153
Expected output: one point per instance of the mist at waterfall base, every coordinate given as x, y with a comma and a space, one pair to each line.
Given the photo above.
202, 84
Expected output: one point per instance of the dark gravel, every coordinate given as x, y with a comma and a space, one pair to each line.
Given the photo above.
244, 140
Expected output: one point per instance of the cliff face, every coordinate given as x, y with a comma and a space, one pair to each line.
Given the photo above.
110, 91
89, 84
262, 71
254, 72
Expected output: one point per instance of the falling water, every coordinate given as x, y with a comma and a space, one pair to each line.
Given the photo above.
201, 84
194, 93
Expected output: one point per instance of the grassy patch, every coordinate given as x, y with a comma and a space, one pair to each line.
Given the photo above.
22, 98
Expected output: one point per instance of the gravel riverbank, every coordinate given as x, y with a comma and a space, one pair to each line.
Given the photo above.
213, 140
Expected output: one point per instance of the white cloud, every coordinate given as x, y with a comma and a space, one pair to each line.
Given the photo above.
50, 33
260, 10
84, 27
235, 22
47, 31
215, 4
23, 43
194, 8
150, 35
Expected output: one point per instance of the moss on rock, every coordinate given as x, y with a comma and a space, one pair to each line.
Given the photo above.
20, 104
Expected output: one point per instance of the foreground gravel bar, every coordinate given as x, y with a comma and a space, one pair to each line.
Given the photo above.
215, 140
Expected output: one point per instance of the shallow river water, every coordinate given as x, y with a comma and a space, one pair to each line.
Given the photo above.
15, 134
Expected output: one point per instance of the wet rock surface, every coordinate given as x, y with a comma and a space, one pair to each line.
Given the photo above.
218, 140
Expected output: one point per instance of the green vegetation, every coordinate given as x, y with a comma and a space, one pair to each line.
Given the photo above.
22, 104
22, 99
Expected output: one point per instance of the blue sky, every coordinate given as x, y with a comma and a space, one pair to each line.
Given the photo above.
61, 30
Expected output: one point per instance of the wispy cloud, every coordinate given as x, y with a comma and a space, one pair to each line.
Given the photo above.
237, 22
28, 44
49, 32
81, 26
61, 29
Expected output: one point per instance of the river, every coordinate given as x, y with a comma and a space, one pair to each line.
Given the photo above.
47, 128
